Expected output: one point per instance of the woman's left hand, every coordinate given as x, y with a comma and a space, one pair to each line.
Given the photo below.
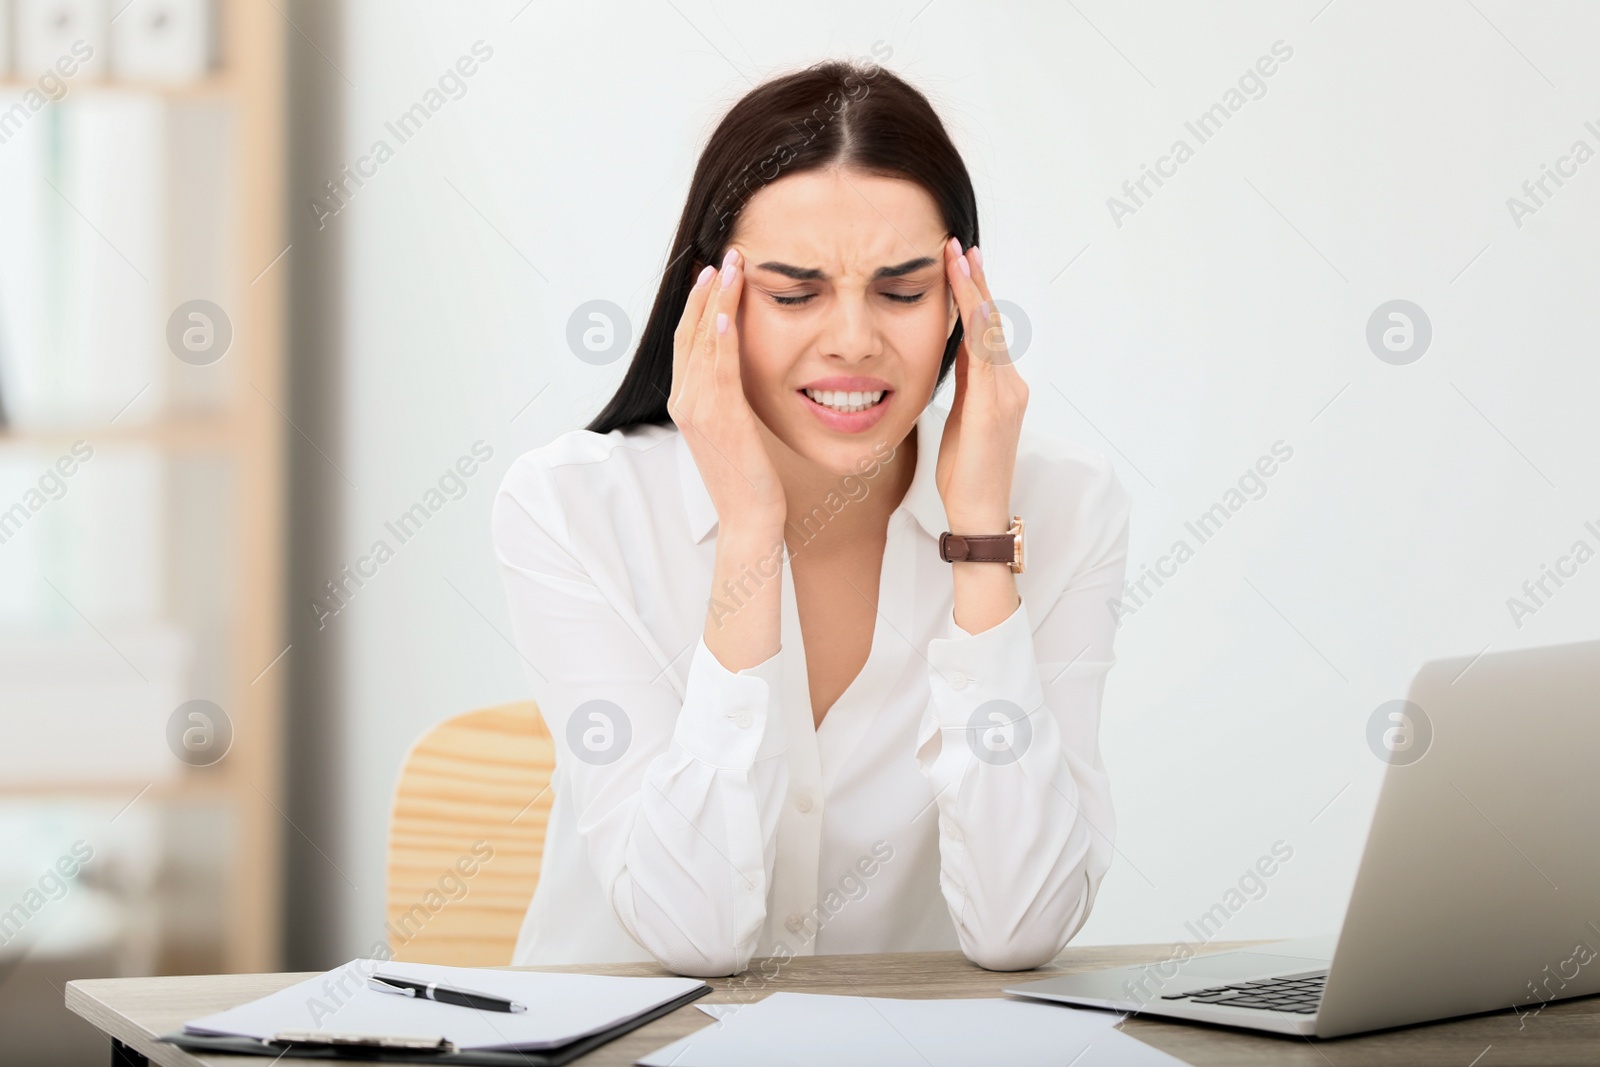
978, 452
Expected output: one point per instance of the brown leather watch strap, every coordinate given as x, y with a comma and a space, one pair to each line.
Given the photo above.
1009, 547
977, 548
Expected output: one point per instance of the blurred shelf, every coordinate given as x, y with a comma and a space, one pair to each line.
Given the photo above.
214, 85
250, 230
181, 787
178, 434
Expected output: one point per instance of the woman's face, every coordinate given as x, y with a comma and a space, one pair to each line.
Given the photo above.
844, 292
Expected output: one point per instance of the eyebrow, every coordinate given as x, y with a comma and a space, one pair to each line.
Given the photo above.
812, 274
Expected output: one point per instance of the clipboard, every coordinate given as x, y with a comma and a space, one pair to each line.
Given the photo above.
379, 1049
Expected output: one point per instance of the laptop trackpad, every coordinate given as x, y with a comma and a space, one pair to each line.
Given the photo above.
1242, 966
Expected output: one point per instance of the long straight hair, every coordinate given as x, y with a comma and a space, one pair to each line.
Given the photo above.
830, 114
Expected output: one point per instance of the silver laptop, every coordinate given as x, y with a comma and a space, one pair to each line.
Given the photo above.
1479, 887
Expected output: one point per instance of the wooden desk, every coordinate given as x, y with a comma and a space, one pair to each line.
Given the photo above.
134, 1010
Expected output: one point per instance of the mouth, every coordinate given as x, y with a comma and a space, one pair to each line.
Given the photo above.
851, 412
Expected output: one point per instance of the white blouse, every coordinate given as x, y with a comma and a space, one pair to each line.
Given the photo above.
953, 797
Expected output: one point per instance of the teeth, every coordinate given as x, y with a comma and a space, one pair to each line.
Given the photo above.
845, 402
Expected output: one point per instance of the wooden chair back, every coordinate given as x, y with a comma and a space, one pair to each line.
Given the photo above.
466, 835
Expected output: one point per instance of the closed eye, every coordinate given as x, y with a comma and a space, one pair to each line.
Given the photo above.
795, 301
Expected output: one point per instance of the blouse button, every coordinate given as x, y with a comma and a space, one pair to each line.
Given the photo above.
803, 802
958, 680
795, 921
741, 718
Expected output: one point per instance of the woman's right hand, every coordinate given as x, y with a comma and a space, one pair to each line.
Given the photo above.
710, 409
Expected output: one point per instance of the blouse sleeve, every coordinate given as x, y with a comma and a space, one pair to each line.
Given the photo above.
1009, 741
676, 800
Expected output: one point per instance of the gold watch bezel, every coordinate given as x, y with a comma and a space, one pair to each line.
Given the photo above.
1018, 563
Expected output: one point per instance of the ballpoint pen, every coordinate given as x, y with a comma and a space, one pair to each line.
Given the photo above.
444, 994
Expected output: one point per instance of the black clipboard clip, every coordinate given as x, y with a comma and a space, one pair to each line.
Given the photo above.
336, 1041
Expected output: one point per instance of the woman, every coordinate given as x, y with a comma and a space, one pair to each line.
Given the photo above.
787, 722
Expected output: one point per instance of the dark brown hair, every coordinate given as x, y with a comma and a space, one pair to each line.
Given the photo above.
832, 113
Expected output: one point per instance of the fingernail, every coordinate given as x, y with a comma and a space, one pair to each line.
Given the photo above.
728, 263
955, 246
722, 322
977, 257
705, 276
966, 268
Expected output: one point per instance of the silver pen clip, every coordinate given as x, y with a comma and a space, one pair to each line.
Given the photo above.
374, 982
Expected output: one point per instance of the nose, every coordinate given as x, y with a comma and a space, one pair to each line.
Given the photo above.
848, 330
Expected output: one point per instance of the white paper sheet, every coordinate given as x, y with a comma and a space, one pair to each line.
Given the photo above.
803, 1029
561, 1007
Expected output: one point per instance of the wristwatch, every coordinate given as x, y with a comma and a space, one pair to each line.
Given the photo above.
985, 548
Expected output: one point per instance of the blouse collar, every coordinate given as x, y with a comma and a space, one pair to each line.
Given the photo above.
921, 499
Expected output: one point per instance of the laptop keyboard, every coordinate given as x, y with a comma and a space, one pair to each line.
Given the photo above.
1296, 993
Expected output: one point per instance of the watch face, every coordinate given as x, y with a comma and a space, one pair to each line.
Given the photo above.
1019, 563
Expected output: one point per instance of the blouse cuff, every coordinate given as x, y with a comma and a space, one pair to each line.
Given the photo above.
727, 719
970, 670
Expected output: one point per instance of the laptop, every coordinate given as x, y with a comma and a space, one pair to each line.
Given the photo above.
1478, 889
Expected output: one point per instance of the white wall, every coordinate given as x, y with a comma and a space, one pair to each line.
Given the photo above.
1221, 317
